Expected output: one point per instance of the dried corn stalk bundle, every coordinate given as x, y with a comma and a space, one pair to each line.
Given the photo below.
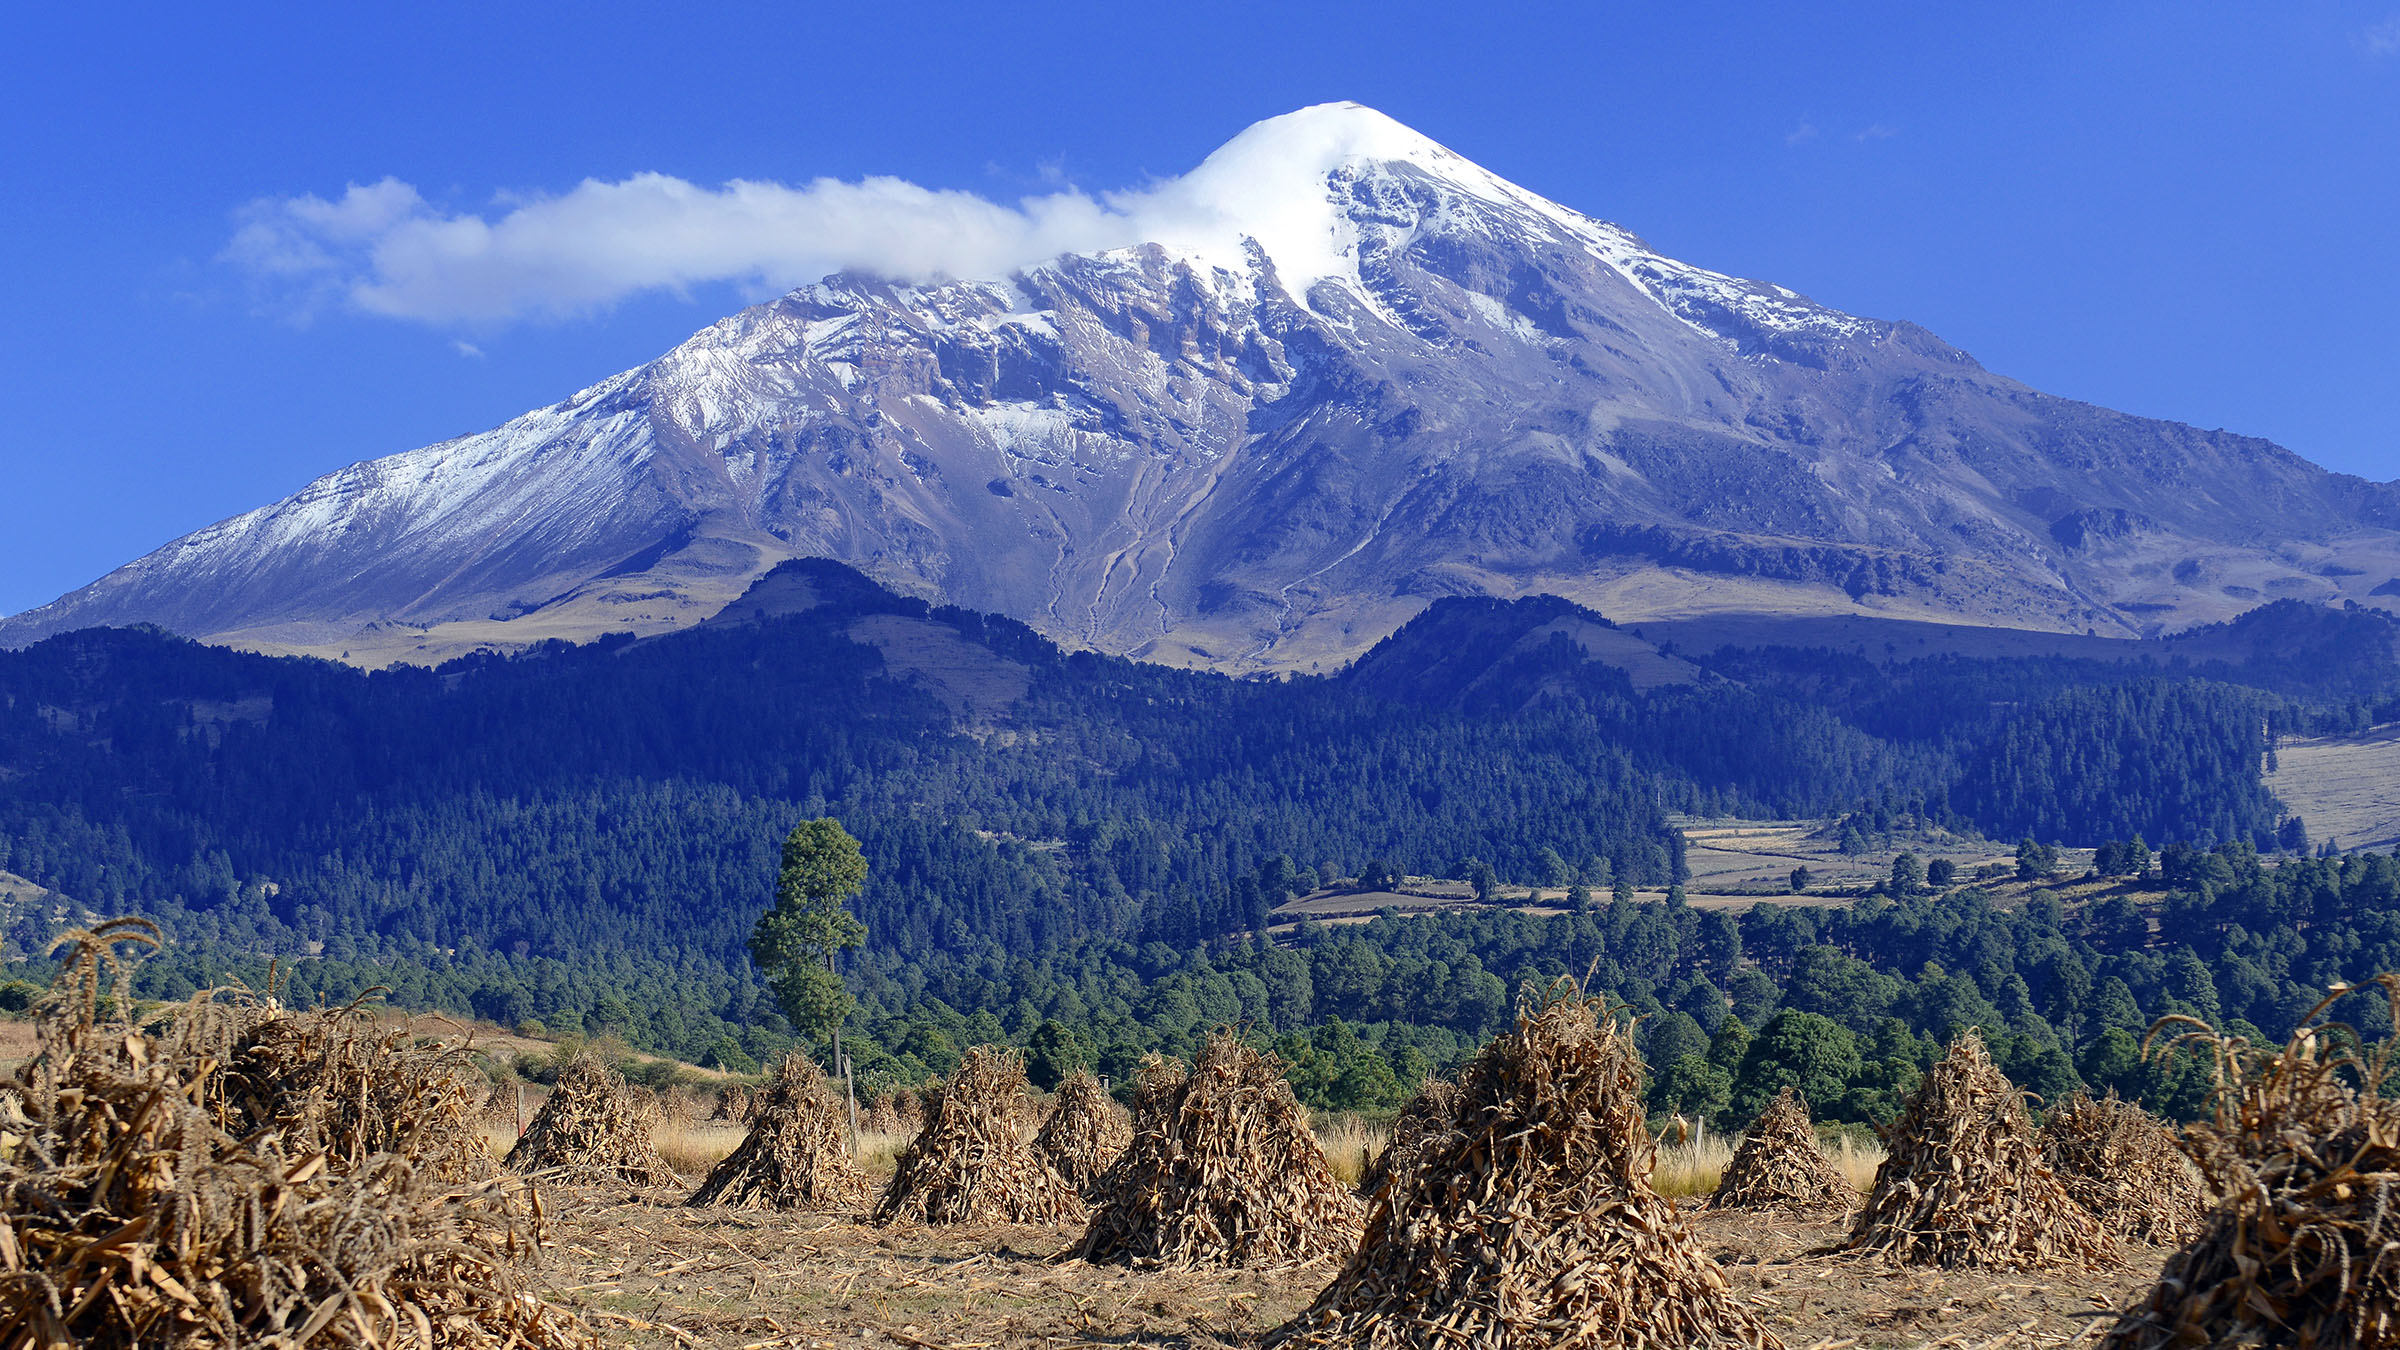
2122, 1164
1779, 1166
1084, 1136
736, 1103
1426, 1117
878, 1117
2303, 1146
1223, 1171
677, 1110
1156, 1082
130, 1216
909, 1110
593, 1130
331, 1079
1532, 1222
1964, 1182
797, 1154
645, 1103
968, 1165
899, 1111
501, 1106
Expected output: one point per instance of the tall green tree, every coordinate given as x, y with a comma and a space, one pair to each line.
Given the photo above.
1794, 1049
2036, 861
1908, 876
797, 943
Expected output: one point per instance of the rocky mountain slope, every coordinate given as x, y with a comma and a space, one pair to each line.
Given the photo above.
1368, 374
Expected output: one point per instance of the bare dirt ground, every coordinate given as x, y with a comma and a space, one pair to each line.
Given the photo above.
650, 1273
2346, 787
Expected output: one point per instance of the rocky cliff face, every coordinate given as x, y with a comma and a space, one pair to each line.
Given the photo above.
1367, 374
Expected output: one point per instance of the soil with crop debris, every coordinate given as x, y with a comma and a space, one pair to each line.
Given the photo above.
650, 1273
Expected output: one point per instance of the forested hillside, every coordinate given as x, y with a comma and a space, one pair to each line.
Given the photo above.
583, 836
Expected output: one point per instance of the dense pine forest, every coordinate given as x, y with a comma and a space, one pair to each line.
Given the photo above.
1078, 853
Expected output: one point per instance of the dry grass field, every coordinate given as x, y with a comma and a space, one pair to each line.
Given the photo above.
651, 1272
646, 1270
1734, 864
655, 1274
2346, 787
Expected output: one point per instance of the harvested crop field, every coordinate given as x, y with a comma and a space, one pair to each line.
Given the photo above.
651, 1274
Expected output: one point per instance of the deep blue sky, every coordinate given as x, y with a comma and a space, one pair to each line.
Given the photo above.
2185, 211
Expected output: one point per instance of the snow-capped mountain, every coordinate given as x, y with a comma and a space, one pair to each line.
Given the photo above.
1355, 372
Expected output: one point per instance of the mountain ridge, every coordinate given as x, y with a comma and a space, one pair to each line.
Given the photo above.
1357, 373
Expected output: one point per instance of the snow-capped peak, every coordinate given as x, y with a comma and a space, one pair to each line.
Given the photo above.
1272, 185
1290, 188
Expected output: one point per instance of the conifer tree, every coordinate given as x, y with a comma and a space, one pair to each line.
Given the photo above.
798, 941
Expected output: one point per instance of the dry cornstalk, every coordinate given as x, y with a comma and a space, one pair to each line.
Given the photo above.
331, 1079
2304, 1147
797, 1154
500, 1105
736, 1103
2122, 1164
1084, 1135
593, 1130
1426, 1117
1963, 1182
131, 1215
646, 1106
877, 1116
677, 1110
968, 1164
1530, 1222
909, 1110
1779, 1166
1223, 1170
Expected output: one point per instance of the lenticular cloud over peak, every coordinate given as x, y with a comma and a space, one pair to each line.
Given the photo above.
381, 248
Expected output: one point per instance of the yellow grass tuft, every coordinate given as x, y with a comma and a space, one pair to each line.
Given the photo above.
1857, 1161
694, 1148
879, 1150
1694, 1166
1351, 1144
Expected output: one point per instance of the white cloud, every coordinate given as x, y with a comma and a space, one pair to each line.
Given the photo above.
1876, 131
2383, 39
467, 349
383, 249
1801, 134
